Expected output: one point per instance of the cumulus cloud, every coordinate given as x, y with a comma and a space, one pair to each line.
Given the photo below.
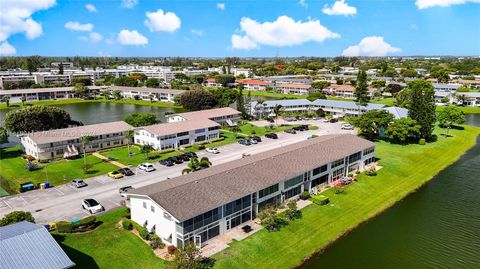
196, 32
15, 17
92, 37
370, 46
160, 21
76, 26
91, 8
422, 4
129, 3
7, 49
221, 6
127, 37
340, 7
282, 32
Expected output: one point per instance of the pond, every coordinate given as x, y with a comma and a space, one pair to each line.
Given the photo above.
436, 227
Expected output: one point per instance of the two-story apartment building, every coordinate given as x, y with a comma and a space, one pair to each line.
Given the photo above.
199, 206
289, 88
67, 142
143, 93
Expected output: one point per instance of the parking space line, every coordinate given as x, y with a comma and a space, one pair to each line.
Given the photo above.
5, 201
61, 193
115, 203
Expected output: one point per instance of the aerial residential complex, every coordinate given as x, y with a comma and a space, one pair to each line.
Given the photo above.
187, 128
333, 107
207, 203
67, 142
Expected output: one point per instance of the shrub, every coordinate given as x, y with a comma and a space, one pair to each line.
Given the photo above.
127, 224
371, 172
305, 195
143, 233
312, 127
16, 216
200, 147
217, 139
85, 224
65, 227
171, 249
156, 242
154, 155
31, 166
338, 190
421, 141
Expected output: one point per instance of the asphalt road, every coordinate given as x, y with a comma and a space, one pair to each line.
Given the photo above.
64, 202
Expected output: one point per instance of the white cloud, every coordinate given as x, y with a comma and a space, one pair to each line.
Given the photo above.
162, 21
127, 37
91, 8
303, 3
76, 26
340, 7
221, 6
92, 37
7, 49
422, 4
129, 3
282, 32
15, 17
371, 46
196, 32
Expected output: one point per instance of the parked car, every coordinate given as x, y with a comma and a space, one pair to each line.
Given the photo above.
92, 206
271, 135
115, 174
190, 154
213, 150
304, 127
347, 126
290, 131
298, 128
326, 120
166, 162
147, 167
124, 190
245, 142
333, 120
79, 183
185, 157
126, 171
256, 138
252, 141
176, 159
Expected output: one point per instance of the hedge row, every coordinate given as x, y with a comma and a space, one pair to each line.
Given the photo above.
83, 225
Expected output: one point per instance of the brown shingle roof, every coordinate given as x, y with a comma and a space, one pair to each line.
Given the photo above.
58, 135
190, 195
179, 126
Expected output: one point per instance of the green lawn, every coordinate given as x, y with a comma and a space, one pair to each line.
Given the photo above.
13, 172
108, 246
465, 109
405, 169
251, 129
274, 95
390, 101
121, 155
98, 100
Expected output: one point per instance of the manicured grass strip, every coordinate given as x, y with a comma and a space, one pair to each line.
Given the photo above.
108, 246
406, 168
98, 100
136, 157
465, 109
13, 170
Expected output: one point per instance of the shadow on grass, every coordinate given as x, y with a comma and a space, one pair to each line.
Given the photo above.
89, 172
81, 259
9, 154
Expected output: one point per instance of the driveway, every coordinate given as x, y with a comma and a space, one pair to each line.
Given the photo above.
64, 202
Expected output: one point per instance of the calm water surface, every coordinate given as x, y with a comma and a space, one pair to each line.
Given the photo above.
435, 227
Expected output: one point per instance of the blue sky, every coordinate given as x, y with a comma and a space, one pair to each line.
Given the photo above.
216, 28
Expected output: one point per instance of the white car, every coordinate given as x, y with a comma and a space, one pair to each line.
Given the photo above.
147, 167
253, 141
212, 150
326, 120
347, 126
92, 206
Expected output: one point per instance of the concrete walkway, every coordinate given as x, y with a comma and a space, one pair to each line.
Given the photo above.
98, 155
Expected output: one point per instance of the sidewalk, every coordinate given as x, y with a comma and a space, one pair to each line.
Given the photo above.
98, 155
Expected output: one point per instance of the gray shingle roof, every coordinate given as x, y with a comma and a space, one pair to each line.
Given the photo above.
25, 245
345, 104
192, 194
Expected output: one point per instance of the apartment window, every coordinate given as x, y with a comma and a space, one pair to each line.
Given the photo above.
338, 163
320, 170
267, 191
337, 173
152, 208
292, 182
213, 128
368, 151
355, 157
182, 134
369, 160
199, 131
319, 180
145, 205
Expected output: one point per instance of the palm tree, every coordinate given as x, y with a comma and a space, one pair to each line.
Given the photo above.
95, 92
461, 98
277, 110
260, 103
85, 141
129, 134
151, 98
146, 149
105, 94
24, 99
194, 164
6, 99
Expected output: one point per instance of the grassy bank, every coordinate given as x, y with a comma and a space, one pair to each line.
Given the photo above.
108, 246
13, 171
98, 100
465, 109
406, 168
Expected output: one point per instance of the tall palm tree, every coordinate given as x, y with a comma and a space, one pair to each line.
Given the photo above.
85, 141
277, 110
129, 134
24, 99
6, 99
146, 149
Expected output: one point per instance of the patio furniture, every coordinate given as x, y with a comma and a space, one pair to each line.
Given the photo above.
247, 228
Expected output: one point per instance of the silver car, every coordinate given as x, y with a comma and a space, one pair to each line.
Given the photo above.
79, 183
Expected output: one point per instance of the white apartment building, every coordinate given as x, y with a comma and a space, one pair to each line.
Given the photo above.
40, 94
300, 89
199, 206
67, 142
143, 93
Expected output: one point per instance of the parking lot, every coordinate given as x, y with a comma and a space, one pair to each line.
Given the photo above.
64, 202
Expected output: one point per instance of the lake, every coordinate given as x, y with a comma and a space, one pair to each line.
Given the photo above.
436, 227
